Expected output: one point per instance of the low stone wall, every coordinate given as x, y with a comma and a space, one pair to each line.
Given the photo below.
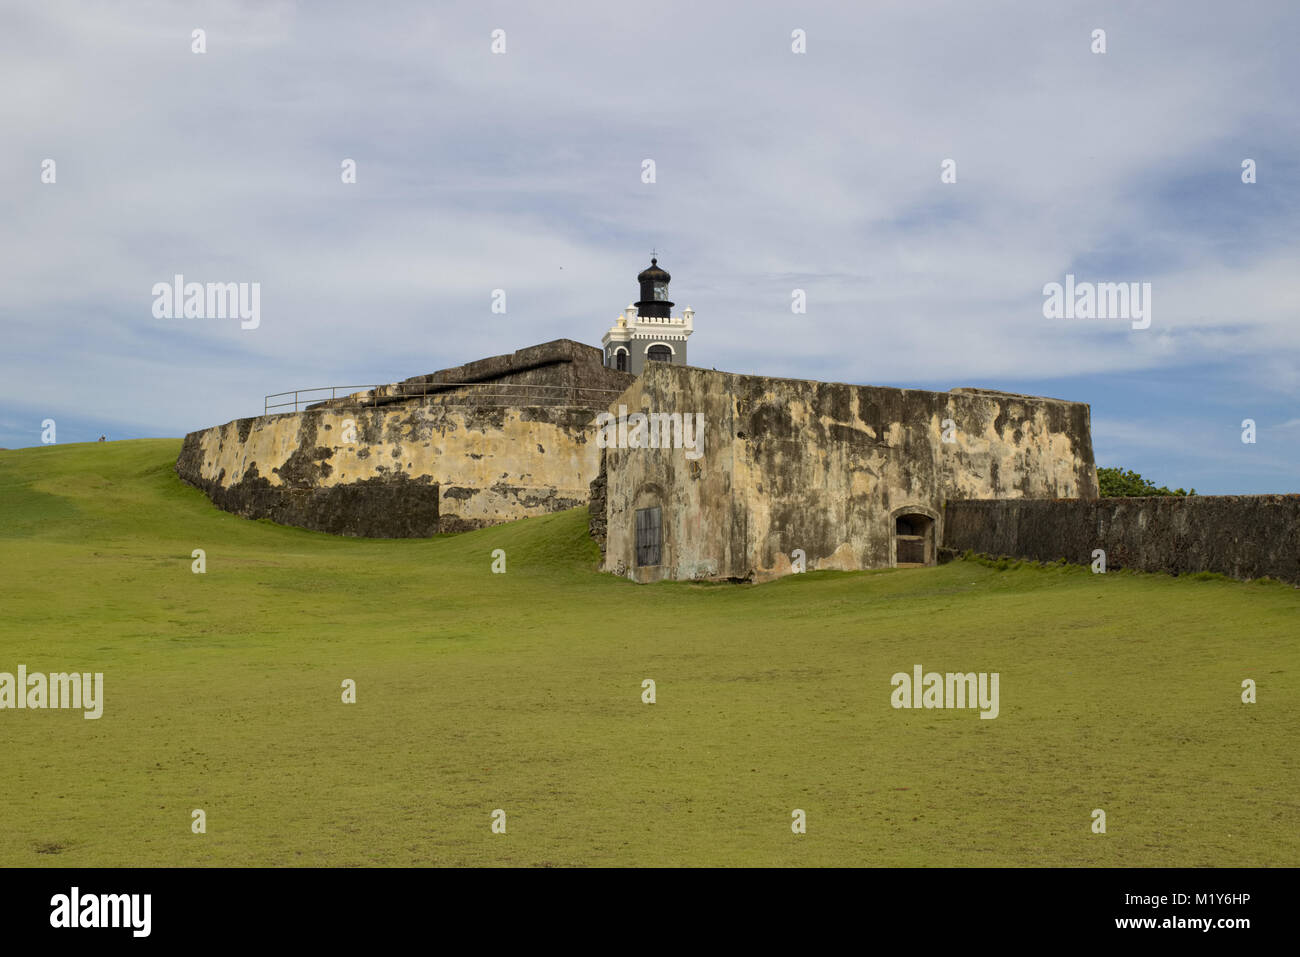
1244, 536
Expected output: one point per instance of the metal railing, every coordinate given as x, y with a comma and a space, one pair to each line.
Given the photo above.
268, 405
389, 392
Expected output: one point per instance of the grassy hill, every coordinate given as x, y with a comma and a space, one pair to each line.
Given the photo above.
522, 691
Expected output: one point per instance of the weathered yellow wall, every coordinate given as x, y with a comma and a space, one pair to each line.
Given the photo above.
489, 465
825, 468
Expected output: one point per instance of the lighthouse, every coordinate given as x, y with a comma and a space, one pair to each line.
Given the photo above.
646, 330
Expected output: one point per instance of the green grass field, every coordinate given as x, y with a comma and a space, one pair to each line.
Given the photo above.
522, 691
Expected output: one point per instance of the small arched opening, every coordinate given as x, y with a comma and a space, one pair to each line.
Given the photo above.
914, 539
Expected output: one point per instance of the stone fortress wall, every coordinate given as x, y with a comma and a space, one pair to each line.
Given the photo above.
488, 442
826, 468
836, 473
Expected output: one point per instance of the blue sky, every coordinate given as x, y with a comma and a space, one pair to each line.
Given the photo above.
775, 171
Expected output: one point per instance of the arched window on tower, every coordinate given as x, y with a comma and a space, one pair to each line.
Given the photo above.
659, 354
620, 360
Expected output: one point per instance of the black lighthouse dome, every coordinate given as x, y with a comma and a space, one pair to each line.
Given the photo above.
654, 292
655, 273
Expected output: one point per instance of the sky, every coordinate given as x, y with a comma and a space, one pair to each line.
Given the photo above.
775, 171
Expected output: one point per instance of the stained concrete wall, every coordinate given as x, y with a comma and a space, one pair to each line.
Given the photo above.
826, 467
412, 470
1245, 536
490, 441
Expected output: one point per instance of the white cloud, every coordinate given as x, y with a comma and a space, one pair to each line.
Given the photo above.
775, 171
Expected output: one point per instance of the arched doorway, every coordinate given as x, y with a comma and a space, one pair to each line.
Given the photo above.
914, 537
659, 354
